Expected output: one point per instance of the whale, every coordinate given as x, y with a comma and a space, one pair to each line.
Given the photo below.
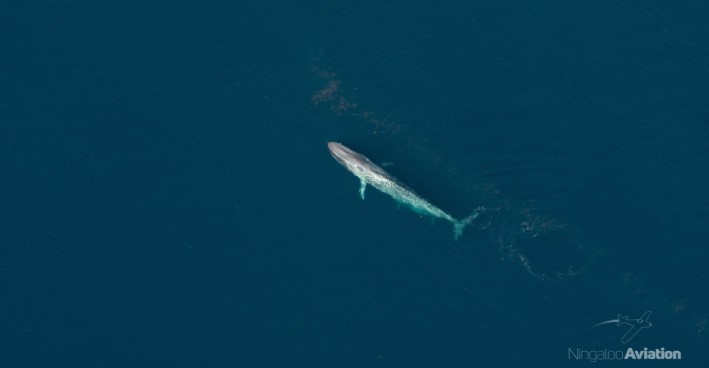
371, 174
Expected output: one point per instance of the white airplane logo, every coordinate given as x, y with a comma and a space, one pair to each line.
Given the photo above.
636, 324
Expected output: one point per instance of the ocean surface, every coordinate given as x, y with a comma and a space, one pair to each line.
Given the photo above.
168, 199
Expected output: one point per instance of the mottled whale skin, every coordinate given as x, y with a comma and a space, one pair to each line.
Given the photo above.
369, 173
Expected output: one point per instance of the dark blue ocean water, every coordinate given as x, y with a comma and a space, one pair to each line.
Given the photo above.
168, 199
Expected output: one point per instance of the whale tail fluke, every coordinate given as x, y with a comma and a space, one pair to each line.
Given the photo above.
459, 225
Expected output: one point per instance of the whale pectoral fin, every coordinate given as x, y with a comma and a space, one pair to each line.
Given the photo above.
362, 187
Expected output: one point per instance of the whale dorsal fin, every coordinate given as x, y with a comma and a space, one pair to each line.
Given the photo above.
362, 187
